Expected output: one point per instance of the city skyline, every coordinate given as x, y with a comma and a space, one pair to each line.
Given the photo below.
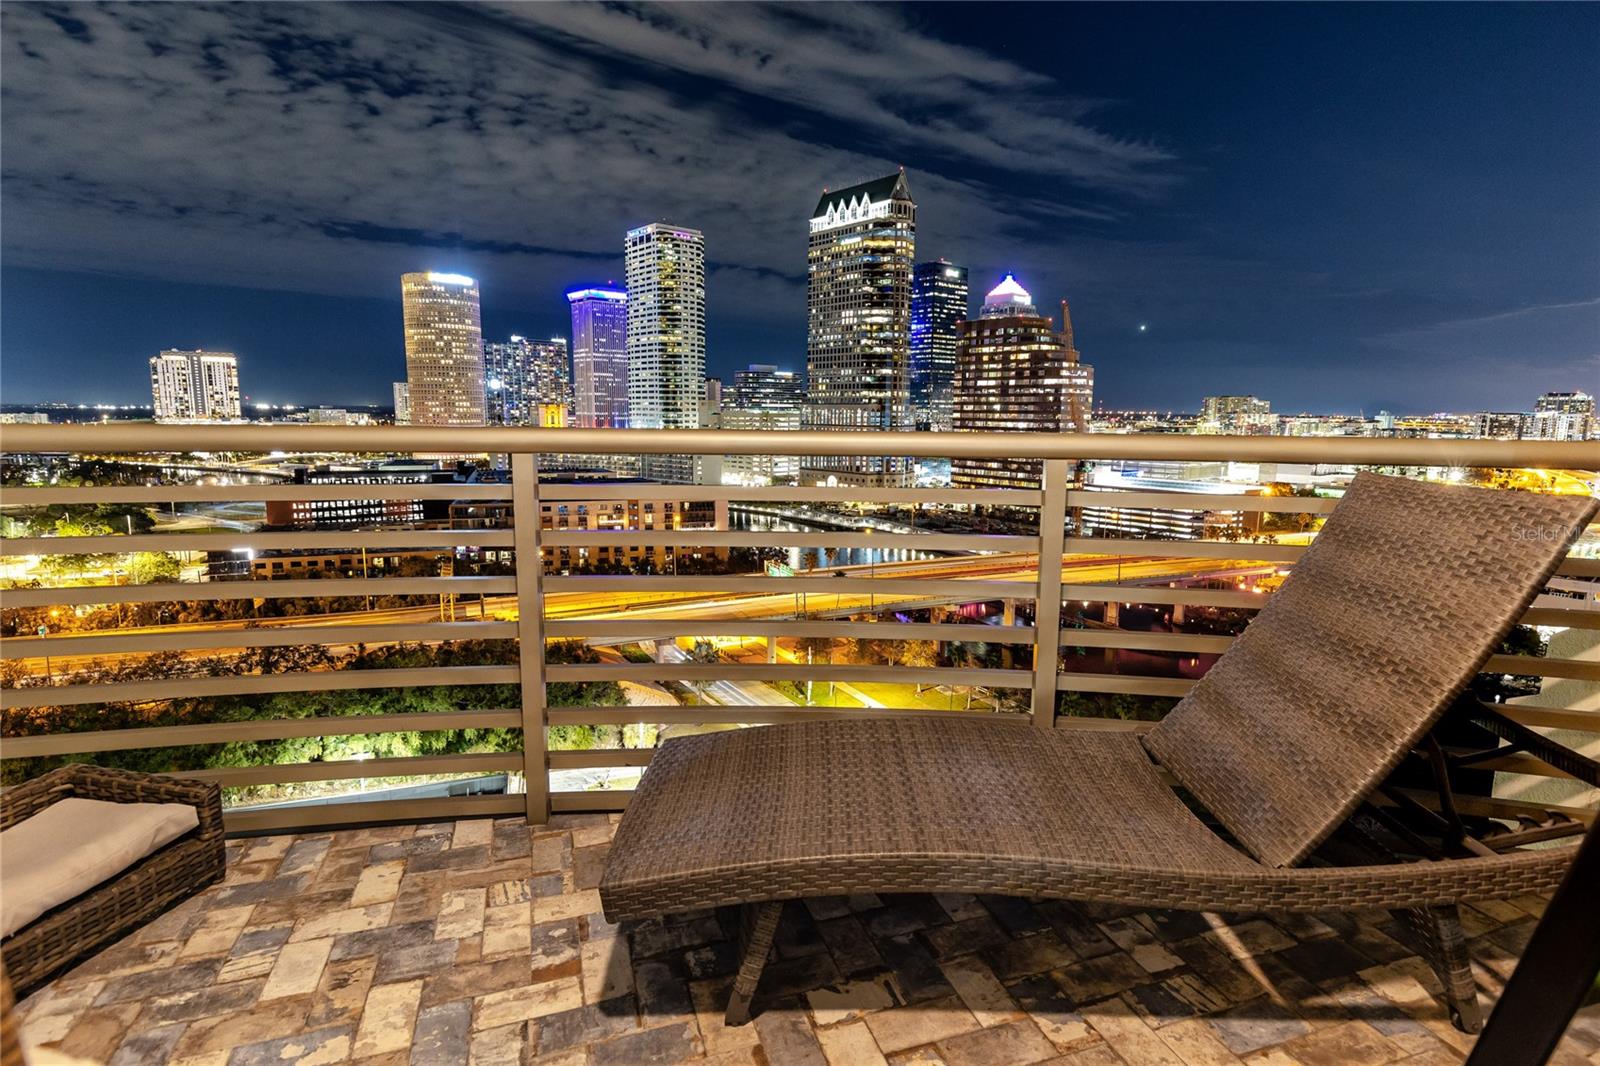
1406, 209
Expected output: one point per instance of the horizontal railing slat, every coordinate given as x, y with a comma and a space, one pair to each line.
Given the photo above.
908, 587
71, 644
312, 816
599, 799
559, 493
891, 675
742, 715
279, 589
713, 538
1198, 501
32, 496
173, 736
253, 684
657, 629
354, 769
118, 437
306, 541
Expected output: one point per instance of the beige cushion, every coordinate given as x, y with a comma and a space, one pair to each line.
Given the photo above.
74, 845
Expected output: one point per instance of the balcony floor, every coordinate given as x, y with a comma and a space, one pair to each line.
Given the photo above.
481, 942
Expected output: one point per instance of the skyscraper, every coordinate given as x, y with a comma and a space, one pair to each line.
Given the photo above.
858, 302
444, 349
764, 398
1236, 414
195, 386
522, 375
1563, 416
402, 403
1014, 374
666, 275
938, 302
600, 357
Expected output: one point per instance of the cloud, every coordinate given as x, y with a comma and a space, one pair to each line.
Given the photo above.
326, 147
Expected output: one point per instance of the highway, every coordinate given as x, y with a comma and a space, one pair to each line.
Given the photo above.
1019, 567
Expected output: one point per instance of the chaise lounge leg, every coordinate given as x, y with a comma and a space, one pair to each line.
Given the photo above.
1444, 946
758, 924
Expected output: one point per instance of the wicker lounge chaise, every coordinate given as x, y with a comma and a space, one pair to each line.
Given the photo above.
1373, 638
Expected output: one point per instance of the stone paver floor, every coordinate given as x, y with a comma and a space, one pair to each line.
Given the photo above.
481, 942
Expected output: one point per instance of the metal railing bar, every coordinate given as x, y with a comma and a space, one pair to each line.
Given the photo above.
1561, 618
1134, 640
356, 769
1162, 594
1179, 549
1551, 717
1102, 725
40, 496
889, 675
252, 684
74, 644
1138, 499
596, 800
310, 816
657, 629
117, 437
770, 715
555, 493
279, 589
754, 585
531, 642
1539, 666
306, 541
712, 538
1121, 683
172, 736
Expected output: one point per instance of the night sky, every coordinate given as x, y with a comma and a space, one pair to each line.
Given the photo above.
1337, 208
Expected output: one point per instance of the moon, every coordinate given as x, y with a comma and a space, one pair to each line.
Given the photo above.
1143, 327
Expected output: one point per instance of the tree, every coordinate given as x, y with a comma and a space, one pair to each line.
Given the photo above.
702, 653
919, 655
812, 647
152, 568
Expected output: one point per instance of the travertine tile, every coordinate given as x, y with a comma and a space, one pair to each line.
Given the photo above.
298, 969
482, 943
389, 1018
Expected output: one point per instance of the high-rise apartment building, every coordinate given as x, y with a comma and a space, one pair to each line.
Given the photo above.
444, 349
938, 302
666, 274
522, 375
1563, 416
600, 358
1015, 374
762, 398
196, 386
1236, 414
402, 403
858, 304
1501, 425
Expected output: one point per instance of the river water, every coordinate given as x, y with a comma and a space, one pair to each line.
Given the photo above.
803, 559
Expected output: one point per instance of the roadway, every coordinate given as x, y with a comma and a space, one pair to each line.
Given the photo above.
1019, 567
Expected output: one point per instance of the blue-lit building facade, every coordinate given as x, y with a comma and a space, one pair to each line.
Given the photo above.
938, 302
600, 357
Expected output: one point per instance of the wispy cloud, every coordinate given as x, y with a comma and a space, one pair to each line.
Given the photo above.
312, 146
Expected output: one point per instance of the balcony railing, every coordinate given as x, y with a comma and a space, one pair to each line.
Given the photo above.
1041, 667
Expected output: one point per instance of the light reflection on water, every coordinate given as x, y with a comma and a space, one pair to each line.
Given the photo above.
802, 559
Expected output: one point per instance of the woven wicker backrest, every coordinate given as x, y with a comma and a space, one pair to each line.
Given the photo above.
1383, 623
